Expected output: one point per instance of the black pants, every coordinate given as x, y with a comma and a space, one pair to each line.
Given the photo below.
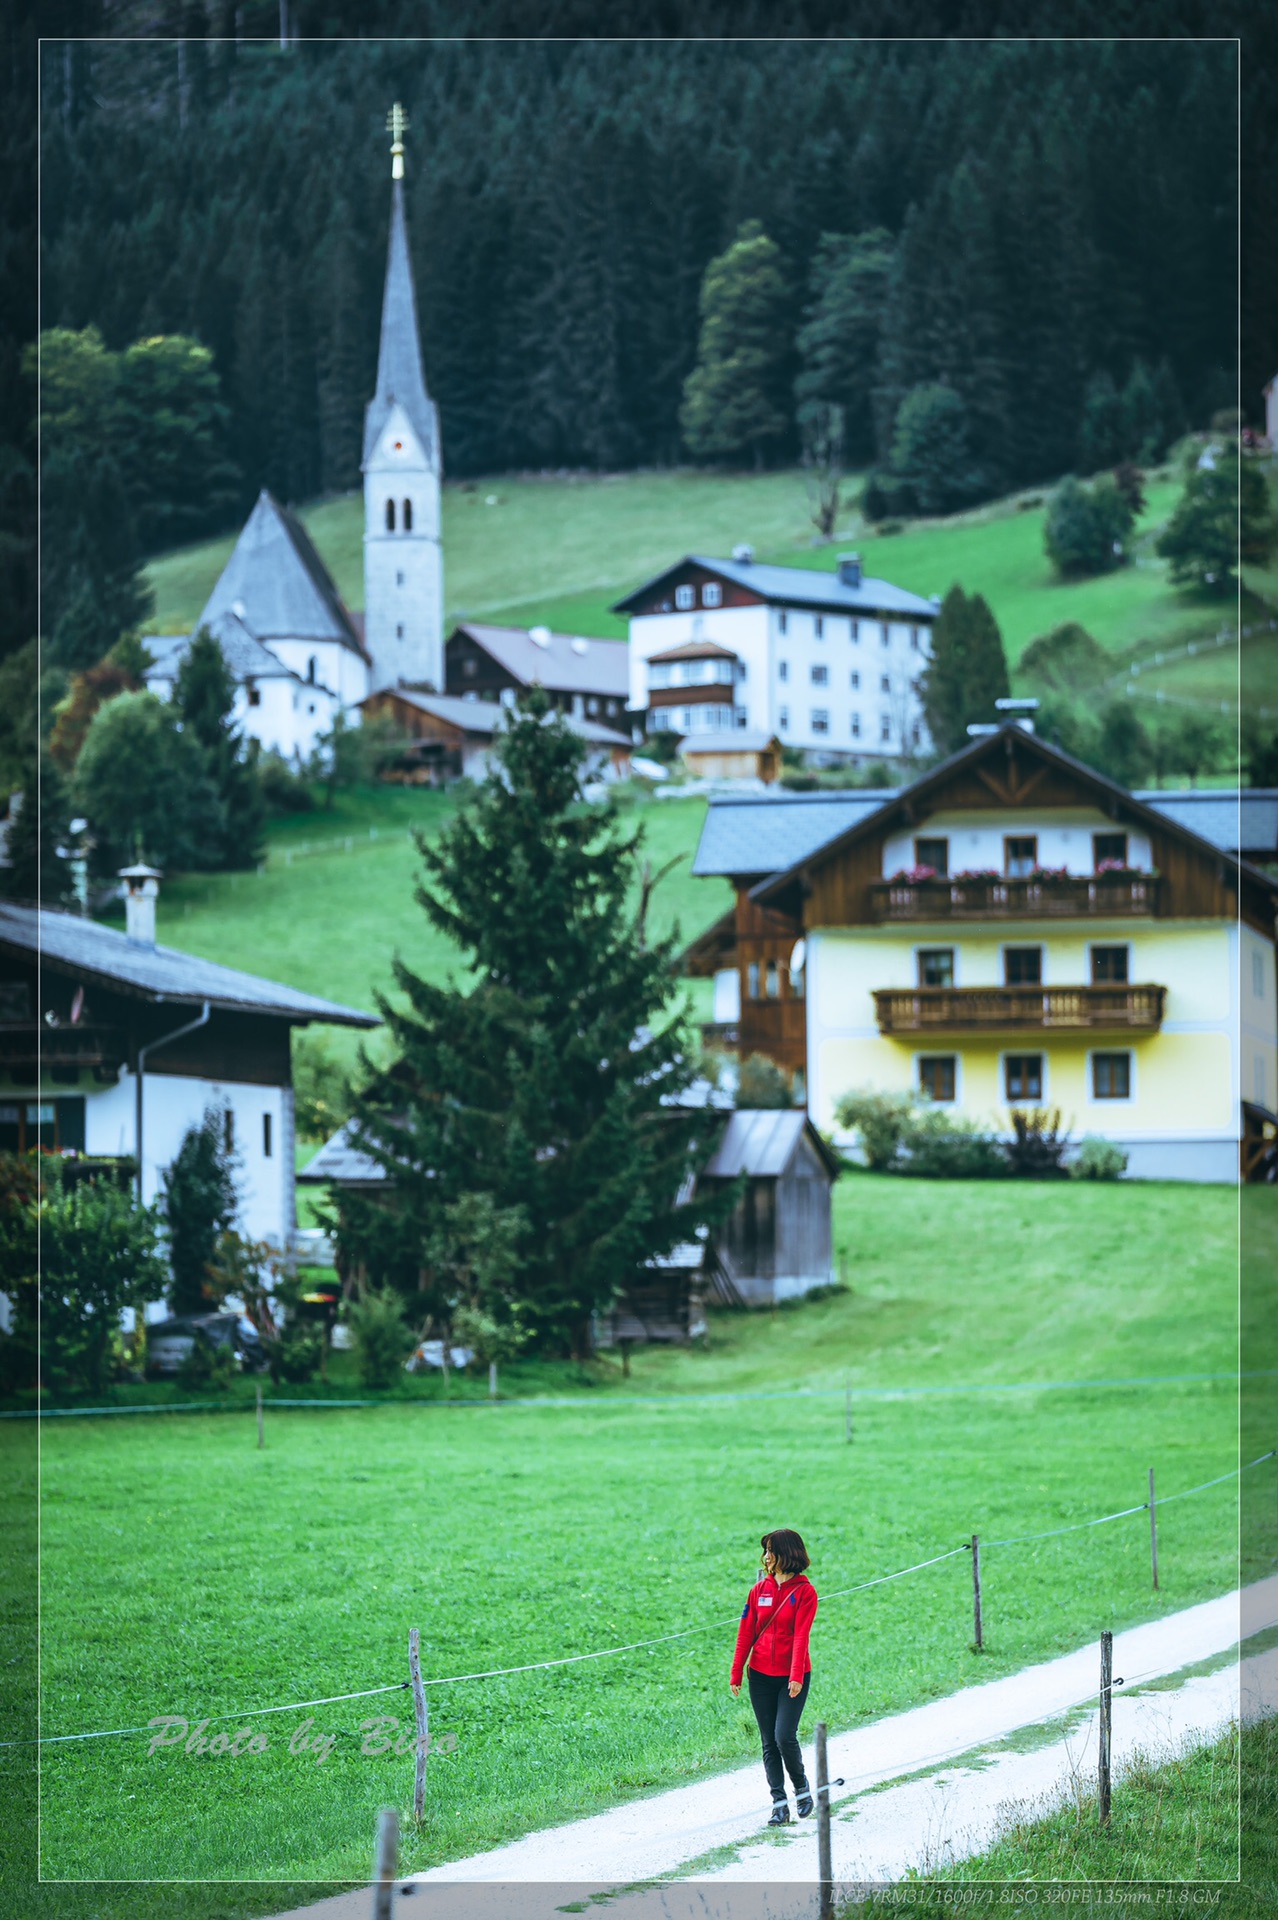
778, 1717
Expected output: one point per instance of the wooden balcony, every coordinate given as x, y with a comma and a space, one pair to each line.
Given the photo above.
26, 1047
1020, 1009
1118, 896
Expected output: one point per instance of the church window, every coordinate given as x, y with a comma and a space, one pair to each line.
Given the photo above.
390, 516
310, 670
408, 516
255, 696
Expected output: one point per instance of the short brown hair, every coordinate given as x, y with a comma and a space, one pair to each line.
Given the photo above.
788, 1548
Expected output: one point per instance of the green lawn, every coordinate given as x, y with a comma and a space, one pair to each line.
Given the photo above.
563, 551
186, 1573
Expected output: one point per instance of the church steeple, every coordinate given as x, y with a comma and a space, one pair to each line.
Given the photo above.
403, 567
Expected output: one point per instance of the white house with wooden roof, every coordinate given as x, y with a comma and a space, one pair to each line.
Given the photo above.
1013, 930
828, 661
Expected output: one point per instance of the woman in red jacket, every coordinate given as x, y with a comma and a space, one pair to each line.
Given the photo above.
773, 1637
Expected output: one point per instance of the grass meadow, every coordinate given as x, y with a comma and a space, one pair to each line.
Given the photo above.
183, 1572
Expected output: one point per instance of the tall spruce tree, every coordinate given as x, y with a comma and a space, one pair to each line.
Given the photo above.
967, 671
734, 401
205, 698
547, 1084
839, 338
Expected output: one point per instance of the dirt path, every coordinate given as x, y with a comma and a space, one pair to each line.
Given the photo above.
713, 1836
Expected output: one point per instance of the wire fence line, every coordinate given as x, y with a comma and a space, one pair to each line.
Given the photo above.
636, 1646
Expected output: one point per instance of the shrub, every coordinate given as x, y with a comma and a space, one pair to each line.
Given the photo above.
1037, 1148
761, 1083
199, 1203
1086, 528
942, 1146
380, 1337
284, 788
294, 1355
881, 1119
1098, 1159
209, 1364
322, 1093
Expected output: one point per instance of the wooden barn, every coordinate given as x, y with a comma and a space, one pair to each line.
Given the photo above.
777, 1243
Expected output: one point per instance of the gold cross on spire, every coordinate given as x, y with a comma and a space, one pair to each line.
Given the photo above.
396, 122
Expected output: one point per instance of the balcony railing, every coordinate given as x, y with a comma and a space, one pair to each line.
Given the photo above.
1019, 1009
23, 1046
1117, 896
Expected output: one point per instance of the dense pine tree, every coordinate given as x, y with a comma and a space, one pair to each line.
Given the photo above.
204, 696
967, 671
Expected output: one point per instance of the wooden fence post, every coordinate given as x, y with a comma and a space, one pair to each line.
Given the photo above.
423, 1722
386, 1864
492, 1379
976, 1589
1106, 1721
825, 1869
1153, 1530
261, 1434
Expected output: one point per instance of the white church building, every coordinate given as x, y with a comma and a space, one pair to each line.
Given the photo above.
297, 653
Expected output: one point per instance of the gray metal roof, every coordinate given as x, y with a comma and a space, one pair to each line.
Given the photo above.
276, 584
399, 355
1235, 822
567, 663
757, 1140
341, 1160
487, 717
801, 587
66, 942
244, 654
771, 832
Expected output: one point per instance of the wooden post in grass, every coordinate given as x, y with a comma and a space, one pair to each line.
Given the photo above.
825, 1869
261, 1432
976, 1589
386, 1864
1153, 1530
423, 1722
1106, 1721
492, 1379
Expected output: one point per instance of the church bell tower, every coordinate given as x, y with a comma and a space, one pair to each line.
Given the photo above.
403, 557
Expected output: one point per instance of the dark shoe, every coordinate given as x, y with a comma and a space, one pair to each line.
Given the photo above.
780, 1814
803, 1802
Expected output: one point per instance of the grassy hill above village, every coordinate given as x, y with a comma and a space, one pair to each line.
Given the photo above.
562, 549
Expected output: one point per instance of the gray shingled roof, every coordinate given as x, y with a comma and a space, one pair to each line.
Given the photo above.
276, 583
487, 717
762, 1141
1232, 821
769, 833
244, 654
800, 587
339, 1159
68, 943
568, 663
399, 355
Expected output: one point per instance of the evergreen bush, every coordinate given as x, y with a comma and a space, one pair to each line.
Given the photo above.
1098, 1159
379, 1336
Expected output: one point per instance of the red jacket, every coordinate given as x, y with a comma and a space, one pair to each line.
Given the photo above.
775, 1623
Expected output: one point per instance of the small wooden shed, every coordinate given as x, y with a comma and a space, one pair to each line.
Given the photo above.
732, 756
777, 1243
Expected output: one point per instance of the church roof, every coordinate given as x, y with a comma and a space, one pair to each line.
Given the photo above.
400, 379
245, 655
275, 584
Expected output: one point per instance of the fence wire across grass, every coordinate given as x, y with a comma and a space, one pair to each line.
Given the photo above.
636, 1646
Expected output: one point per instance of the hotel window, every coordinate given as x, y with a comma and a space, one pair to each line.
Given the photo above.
1022, 966
1023, 1076
783, 621
820, 720
856, 726
820, 676
783, 718
399, 579
399, 630
1109, 966
937, 1076
856, 681
936, 966
934, 854
818, 627
685, 597
1111, 1076
885, 683
1108, 846
855, 631
268, 1145
1020, 855
916, 734
712, 594
783, 669
887, 634
885, 727
914, 638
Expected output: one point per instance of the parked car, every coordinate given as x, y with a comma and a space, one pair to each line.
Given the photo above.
169, 1342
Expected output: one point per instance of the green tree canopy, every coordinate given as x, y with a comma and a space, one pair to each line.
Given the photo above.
931, 451
839, 339
142, 784
1067, 660
1223, 514
734, 401
967, 670
1086, 528
204, 696
200, 1204
547, 1083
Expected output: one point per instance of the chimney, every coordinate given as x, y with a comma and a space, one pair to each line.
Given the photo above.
743, 555
850, 569
142, 886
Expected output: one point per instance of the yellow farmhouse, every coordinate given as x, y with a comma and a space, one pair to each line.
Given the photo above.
1013, 930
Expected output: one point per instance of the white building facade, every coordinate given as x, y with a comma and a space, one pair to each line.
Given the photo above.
828, 662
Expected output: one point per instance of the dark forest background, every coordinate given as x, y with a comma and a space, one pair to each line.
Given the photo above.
1054, 211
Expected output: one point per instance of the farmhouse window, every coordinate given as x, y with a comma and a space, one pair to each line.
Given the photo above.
1257, 975
1109, 966
936, 966
255, 696
772, 981
1023, 1076
712, 594
856, 632
1109, 846
685, 597
783, 621
783, 717
1020, 855
55, 1125
390, 516
1023, 966
936, 1076
268, 1145
887, 634
820, 720
783, 669
885, 683
1111, 1076
752, 980
470, 668
914, 638
934, 854
408, 516
818, 627
820, 676
228, 1130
